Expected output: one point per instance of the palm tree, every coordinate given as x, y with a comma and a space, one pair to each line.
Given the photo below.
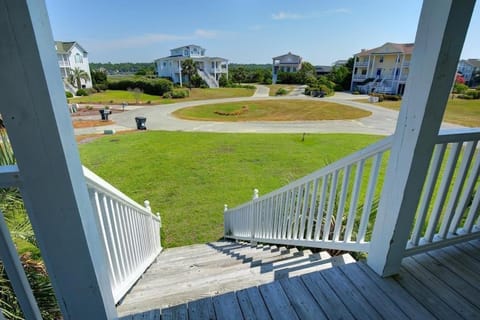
76, 75
190, 69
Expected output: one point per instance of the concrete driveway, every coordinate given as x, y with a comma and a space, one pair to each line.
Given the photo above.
382, 121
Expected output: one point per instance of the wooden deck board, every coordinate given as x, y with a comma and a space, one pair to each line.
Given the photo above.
278, 304
326, 298
201, 309
178, 312
454, 281
301, 299
441, 289
407, 303
252, 304
226, 306
440, 284
353, 299
382, 303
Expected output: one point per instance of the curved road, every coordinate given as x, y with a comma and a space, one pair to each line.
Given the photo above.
381, 122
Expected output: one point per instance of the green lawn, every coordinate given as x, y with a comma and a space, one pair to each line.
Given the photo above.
459, 111
188, 177
120, 96
272, 110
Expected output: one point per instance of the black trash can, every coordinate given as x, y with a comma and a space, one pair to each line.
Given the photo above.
141, 123
104, 114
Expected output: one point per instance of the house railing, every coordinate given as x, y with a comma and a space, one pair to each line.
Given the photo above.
335, 207
130, 232
329, 208
450, 205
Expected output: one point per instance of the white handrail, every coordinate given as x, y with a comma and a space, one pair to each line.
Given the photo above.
449, 208
130, 232
323, 209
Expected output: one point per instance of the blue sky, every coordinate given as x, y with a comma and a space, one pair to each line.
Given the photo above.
246, 31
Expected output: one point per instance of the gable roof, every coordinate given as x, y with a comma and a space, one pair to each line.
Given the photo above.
290, 57
473, 62
389, 47
65, 47
188, 46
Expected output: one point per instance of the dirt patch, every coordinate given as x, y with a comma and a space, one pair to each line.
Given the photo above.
243, 110
90, 123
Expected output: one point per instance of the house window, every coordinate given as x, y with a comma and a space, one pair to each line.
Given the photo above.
364, 72
357, 59
213, 65
379, 72
381, 59
185, 53
78, 58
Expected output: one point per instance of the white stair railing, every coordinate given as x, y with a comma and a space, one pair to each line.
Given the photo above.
449, 209
329, 208
131, 233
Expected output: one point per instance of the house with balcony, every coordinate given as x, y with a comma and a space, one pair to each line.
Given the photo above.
210, 69
383, 69
410, 203
468, 68
71, 55
285, 63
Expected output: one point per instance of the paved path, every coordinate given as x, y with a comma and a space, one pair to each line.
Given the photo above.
262, 91
381, 122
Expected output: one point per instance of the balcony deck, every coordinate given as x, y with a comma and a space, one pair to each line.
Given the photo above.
440, 284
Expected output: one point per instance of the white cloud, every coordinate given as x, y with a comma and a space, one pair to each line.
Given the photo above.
137, 41
145, 40
201, 33
287, 16
256, 27
297, 16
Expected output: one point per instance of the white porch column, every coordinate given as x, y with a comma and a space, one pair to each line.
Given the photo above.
180, 72
439, 41
53, 186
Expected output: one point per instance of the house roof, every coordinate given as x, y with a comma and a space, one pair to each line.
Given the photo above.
65, 47
473, 62
288, 55
323, 69
389, 47
187, 46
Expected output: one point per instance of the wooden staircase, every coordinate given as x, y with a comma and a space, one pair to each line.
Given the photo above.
189, 273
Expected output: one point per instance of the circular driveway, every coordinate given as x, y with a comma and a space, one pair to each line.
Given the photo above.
382, 121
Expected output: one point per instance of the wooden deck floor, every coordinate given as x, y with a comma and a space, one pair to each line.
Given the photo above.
441, 284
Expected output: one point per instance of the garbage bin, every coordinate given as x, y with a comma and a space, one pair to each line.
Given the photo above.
141, 123
104, 114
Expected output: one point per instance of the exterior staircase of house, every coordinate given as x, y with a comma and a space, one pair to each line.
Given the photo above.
211, 82
68, 87
189, 273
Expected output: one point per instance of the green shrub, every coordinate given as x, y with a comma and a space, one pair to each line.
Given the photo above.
459, 88
379, 95
154, 87
90, 91
101, 87
179, 94
281, 92
464, 96
81, 92
392, 97
475, 94
68, 94
223, 81
167, 95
